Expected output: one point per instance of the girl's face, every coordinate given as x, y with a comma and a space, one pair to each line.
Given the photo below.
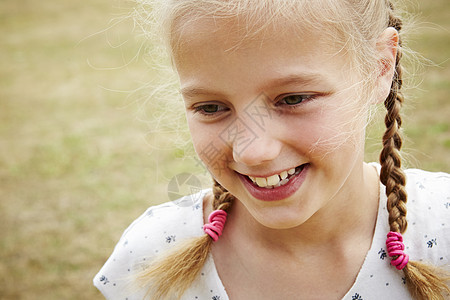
273, 119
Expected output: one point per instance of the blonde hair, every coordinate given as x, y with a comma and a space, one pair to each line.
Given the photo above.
354, 27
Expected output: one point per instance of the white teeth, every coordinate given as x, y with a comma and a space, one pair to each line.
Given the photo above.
284, 181
273, 180
261, 182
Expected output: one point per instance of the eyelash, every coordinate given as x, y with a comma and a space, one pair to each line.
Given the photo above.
201, 109
304, 98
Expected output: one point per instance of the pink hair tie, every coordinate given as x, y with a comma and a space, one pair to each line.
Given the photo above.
395, 247
216, 223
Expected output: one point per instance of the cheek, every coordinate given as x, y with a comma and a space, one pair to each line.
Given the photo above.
201, 137
209, 146
325, 130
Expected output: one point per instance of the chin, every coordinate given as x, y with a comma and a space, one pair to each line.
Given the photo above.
281, 220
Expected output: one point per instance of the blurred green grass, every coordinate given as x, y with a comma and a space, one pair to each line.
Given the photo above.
76, 164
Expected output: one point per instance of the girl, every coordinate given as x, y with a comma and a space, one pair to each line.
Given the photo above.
280, 91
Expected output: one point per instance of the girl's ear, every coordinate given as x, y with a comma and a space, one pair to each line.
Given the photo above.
387, 53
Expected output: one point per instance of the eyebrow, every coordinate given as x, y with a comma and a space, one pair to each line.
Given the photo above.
292, 79
295, 79
196, 91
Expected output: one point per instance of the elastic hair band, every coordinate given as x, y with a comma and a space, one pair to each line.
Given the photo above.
395, 247
216, 223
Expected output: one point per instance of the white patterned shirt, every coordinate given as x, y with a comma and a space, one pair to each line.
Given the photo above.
427, 239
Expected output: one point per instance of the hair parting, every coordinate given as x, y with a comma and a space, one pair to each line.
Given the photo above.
424, 281
170, 275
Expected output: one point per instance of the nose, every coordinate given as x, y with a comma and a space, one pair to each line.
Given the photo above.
251, 145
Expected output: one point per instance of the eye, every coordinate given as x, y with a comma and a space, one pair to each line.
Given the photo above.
210, 109
294, 99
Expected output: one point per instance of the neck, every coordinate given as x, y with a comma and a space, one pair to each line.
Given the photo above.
348, 217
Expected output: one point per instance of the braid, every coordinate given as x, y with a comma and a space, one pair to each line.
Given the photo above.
425, 282
222, 198
392, 175
175, 271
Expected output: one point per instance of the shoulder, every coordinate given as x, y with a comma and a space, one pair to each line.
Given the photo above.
428, 192
433, 183
156, 230
427, 237
428, 215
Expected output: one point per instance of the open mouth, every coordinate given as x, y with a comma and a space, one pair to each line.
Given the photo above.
276, 180
278, 186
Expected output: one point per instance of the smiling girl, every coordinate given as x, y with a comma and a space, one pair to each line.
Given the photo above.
282, 90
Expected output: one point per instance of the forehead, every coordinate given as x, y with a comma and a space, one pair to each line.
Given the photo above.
231, 34
211, 48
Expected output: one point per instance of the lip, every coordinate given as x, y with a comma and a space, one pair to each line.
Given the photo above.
279, 193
